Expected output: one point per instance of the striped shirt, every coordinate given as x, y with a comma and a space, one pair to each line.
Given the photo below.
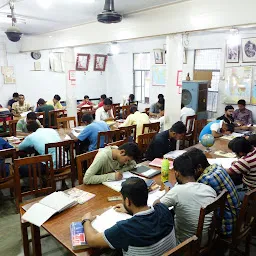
246, 166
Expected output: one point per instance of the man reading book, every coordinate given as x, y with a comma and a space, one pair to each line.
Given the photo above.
149, 232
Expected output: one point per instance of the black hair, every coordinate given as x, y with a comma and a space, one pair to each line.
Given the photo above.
57, 97
41, 101
182, 106
87, 118
240, 145
160, 96
32, 126
86, 97
252, 139
133, 109
15, 95
135, 189
31, 116
183, 164
107, 102
22, 95
103, 96
241, 102
228, 107
230, 127
179, 128
198, 158
131, 150
131, 97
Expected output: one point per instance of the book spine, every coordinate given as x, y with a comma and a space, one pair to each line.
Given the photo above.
77, 236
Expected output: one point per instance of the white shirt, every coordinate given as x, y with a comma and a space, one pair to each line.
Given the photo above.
216, 126
185, 112
187, 200
102, 115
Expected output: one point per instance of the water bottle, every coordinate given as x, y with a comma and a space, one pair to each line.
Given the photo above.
165, 170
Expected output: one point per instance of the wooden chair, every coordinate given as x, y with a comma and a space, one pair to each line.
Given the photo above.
151, 127
128, 132
217, 208
116, 110
126, 111
64, 122
190, 125
12, 127
109, 137
64, 160
245, 224
41, 118
84, 160
4, 124
199, 125
134, 103
118, 143
86, 109
53, 115
147, 111
144, 140
186, 248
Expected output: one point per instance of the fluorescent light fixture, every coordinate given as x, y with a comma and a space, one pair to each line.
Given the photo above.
44, 3
115, 48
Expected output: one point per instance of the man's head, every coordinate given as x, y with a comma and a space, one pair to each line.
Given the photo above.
15, 96
252, 139
56, 98
107, 104
127, 152
103, 97
135, 194
41, 102
21, 98
183, 168
241, 105
161, 99
240, 146
177, 131
87, 119
31, 117
227, 128
131, 97
86, 98
229, 110
133, 109
199, 161
32, 126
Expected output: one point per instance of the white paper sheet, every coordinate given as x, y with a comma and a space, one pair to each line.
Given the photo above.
155, 195
224, 162
174, 154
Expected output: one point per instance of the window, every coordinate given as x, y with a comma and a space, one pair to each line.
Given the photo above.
210, 60
141, 76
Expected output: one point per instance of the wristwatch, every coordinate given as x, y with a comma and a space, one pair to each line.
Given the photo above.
83, 221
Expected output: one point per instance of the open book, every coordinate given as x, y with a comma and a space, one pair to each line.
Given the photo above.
174, 154
40, 212
224, 162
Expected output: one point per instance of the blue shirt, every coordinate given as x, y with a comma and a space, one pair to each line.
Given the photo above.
38, 139
207, 129
91, 131
5, 145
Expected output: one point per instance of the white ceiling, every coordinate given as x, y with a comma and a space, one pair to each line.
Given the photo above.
67, 13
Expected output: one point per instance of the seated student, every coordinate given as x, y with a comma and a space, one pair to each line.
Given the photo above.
155, 108
187, 198
5, 145
55, 102
105, 112
228, 116
246, 164
20, 106
43, 107
111, 162
217, 129
102, 98
252, 139
242, 115
21, 127
85, 102
149, 232
90, 132
165, 142
14, 99
136, 118
185, 112
218, 178
130, 100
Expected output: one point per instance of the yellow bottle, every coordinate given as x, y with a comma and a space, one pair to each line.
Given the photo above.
165, 170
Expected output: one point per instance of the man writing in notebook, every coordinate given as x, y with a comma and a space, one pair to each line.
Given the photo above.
149, 232
111, 162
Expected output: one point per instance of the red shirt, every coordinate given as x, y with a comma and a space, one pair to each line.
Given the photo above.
100, 104
85, 103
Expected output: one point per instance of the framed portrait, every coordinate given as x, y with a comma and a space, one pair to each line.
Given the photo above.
249, 49
232, 53
159, 56
82, 62
100, 62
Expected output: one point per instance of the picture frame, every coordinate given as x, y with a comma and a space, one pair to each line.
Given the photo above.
100, 61
232, 53
249, 50
82, 62
158, 56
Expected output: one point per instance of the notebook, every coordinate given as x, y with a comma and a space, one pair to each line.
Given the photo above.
232, 136
157, 162
174, 154
145, 171
225, 154
40, 212
79, 195
224, 162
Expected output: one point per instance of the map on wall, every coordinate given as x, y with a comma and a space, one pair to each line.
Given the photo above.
238, 84
158, 75
253, 100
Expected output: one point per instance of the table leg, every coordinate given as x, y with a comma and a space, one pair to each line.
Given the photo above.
36, 243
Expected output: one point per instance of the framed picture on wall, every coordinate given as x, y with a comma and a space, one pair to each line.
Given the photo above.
158, 55
82, 62
100, 62
232, 53
249, 49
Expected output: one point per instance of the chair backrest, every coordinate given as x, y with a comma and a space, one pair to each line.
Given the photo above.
109, 137
217, 207
4, 119
118, 143
41, 118
126, 111
190, 124
83, 162
53, 115
128, 132
134, 103
199, 125
40, 176
12, 127
4, 155
151, 127
186, 248
116, 110
144, 140
147, 111
86, 109
65, 122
